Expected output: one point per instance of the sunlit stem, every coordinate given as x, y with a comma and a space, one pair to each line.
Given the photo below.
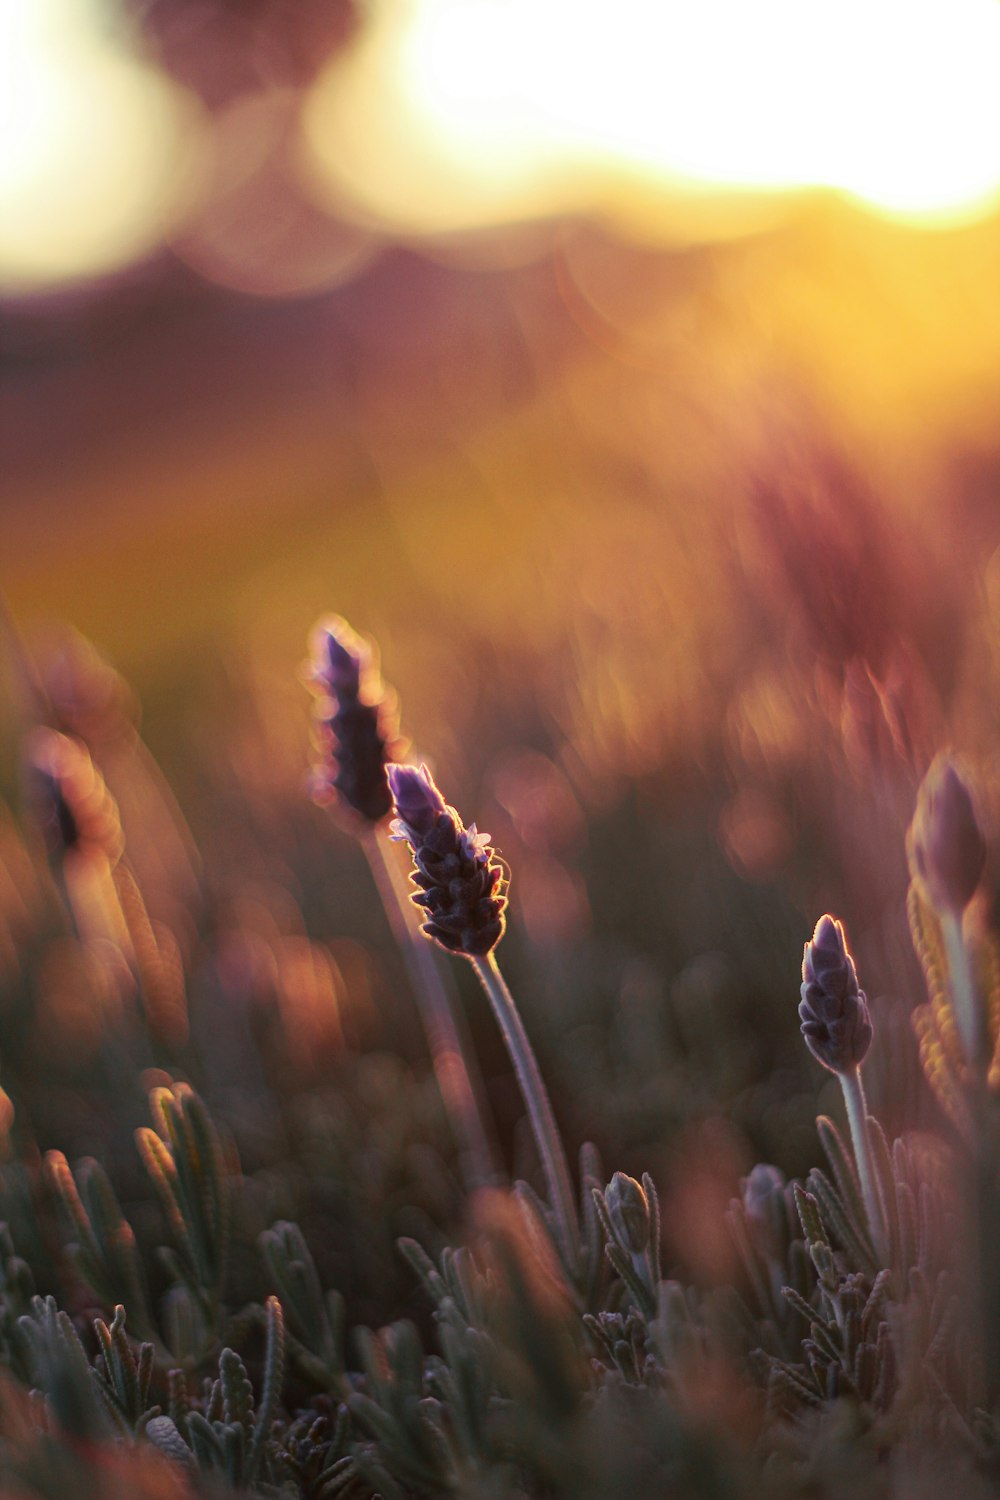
970, 1017
543, 1123
857, 1119
87, 882
451, 1056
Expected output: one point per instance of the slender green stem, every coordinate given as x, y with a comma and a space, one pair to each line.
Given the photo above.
857, 1119
451, 1055
970, 1017
643, 1265
543, 1123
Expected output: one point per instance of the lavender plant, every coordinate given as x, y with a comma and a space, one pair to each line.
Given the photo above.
462, 888
555, 1352
356, 721
838, 1032
357, 736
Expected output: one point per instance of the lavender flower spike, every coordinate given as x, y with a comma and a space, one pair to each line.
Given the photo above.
462, 886
463, 889
838, 1033
833, 1010
356, 724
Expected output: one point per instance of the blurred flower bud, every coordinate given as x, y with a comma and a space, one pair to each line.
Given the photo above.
68, 796
763, 1194
833, 1010
628, 1211
462, 886
356, 731
945, 843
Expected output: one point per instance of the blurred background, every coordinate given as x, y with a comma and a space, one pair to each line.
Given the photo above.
632, 377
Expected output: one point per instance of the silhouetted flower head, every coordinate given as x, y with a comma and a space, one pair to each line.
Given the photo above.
356, 731
945, 843
833, 1010
462, 885
68, 796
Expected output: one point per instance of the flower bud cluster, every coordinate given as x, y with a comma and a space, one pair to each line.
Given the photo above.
356, 731
833, 1010
462, 886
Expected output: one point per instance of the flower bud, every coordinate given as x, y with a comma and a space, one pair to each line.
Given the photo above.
628, 1211
462, 886
356, 728
945, 844
71, 803
833, 1010
417, 802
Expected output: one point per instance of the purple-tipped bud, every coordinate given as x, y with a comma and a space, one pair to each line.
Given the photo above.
339, 657
628, 1210
417, 801
945, 844
833, 1010
462, 887
356, 730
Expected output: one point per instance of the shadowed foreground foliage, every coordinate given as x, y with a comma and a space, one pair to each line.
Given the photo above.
309, 1277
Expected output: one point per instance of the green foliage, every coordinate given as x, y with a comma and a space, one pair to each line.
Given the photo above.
809, 1355
17, 1289
527, 1367
103, 1249
316, 1318
184, 1159
77, 1402
125, 1379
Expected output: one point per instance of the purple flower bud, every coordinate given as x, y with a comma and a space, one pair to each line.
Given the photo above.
833, 1010
338, 656
356, 728
946, 846
417, 802
462, 887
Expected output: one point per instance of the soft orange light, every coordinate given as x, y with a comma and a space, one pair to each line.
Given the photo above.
452, 113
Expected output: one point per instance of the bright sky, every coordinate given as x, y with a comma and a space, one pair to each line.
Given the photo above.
454, 114
502, 102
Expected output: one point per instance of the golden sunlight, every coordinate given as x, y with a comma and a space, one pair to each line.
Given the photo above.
92, 145
448, 114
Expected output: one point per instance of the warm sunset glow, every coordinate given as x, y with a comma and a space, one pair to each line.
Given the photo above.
453, 113
92, 157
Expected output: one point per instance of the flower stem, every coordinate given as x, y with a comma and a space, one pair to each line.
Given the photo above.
966, 1003
451, 1057
543, 1124
857, 1119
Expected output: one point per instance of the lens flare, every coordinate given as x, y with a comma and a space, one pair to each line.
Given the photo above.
92, 146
